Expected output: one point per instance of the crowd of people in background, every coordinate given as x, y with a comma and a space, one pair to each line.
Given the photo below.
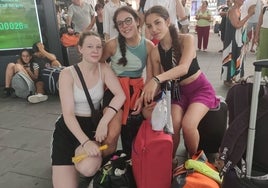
153, 41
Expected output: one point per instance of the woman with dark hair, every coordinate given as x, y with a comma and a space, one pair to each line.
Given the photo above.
128, 53
26, 65
203, 17
175, 59
99, 19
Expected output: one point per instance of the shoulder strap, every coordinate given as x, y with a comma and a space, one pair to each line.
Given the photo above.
85, 88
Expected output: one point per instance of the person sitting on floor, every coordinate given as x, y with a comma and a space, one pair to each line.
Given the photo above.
30, 68
44, 59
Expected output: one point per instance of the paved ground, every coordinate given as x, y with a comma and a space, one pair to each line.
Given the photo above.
26, 129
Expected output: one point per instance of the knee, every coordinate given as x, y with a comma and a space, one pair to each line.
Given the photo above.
11, 67
88, 166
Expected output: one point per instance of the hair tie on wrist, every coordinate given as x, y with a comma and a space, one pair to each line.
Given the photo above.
156, 80
85, 143
112, 109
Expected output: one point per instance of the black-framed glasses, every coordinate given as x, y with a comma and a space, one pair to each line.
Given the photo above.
127, 21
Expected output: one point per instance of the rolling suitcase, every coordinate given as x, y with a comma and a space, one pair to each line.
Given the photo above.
212, 128
152, 155
241, 174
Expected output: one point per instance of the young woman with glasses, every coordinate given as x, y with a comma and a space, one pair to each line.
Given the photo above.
128, 53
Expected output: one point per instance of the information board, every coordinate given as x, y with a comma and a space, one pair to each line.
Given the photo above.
19, 24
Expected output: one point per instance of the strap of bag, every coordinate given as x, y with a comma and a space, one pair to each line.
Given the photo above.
80, 75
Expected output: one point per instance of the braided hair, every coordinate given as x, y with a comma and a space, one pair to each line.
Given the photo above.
121, 38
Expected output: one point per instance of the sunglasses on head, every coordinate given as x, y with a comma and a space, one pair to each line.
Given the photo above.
127, 21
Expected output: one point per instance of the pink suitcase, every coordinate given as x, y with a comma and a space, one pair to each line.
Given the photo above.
152, 157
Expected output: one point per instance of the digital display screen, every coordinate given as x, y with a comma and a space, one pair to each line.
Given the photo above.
19, 24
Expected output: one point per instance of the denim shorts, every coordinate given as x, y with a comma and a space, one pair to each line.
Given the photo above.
198, 91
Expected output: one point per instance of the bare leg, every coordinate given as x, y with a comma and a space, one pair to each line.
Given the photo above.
64, 177
40, 87
177, 114
190, 122
10, 71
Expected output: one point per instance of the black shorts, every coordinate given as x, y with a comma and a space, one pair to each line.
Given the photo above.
64, 142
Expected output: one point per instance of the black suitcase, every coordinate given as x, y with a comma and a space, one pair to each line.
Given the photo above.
248, 173
212, 128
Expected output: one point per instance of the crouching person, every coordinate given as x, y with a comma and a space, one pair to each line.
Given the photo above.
75, 132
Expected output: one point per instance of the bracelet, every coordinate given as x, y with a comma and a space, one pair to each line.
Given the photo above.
156, 80
85, 142
112, 109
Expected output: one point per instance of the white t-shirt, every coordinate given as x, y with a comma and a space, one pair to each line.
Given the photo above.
108, 12
81, 16
170, 5
244, 10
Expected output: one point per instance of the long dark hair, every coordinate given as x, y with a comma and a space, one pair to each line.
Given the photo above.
163, 13
31, 60
121, 38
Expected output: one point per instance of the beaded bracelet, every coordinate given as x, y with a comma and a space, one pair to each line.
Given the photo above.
112, 109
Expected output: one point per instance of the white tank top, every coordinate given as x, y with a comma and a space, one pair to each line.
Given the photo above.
81, 106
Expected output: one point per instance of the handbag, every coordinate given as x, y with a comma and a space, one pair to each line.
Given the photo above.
96, 114
68, 40
116, 173
161, 115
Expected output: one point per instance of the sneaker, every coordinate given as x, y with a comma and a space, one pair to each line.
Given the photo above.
8, 91
37, 98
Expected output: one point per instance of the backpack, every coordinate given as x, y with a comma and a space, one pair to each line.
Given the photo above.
23, 85
50, 77
196, 172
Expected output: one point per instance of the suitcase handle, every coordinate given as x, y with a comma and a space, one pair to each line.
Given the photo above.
259, 64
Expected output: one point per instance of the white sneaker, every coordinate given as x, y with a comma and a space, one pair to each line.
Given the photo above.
37, 98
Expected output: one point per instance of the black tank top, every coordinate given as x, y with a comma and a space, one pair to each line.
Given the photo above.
168, 61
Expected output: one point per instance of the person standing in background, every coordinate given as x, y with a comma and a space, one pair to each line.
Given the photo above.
223, 14
235, 43
99, 19
261, 37
203, 17
185, 21
252, 24
81, 16
108, 25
